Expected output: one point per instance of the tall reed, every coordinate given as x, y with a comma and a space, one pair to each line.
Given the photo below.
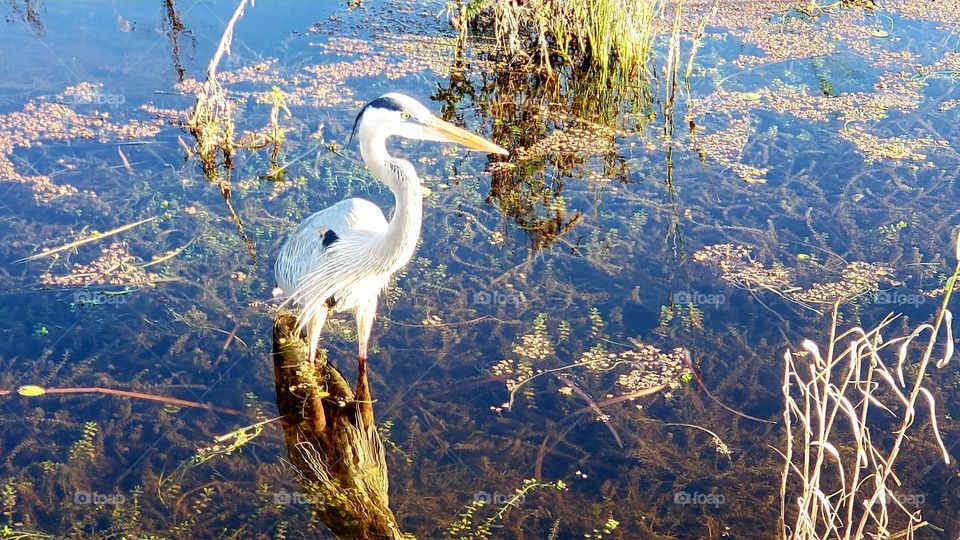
600, 34
847, 415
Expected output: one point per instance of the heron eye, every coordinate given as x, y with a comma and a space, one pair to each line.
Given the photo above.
405, 115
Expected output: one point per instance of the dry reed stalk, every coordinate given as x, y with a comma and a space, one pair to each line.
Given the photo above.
212, 120
698, 41
845, 473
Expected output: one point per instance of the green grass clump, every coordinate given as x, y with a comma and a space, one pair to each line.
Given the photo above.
597, 34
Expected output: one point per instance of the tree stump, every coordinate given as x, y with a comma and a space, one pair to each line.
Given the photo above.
332, 440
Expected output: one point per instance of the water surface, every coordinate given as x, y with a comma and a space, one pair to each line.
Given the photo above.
580, 246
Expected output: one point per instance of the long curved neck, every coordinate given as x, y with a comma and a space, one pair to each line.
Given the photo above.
395, 248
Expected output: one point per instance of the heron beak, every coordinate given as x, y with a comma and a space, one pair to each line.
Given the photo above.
448, 132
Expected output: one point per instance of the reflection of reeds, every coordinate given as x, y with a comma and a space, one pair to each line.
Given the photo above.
599, 50
596, 74
838, 473
174, 27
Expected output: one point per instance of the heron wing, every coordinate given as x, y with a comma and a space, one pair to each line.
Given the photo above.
307, 249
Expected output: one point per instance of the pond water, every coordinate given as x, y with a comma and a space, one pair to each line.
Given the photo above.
604, 244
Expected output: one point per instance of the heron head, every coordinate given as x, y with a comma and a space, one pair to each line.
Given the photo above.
399, 114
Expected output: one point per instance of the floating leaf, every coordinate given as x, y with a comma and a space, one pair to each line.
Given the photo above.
31, 390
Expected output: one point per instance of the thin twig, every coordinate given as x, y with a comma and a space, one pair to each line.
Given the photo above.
78, 243
225, 41
592, 405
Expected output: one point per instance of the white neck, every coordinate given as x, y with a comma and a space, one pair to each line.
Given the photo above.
395, 248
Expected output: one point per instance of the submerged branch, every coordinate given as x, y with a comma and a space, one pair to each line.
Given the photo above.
33, 391
78, 243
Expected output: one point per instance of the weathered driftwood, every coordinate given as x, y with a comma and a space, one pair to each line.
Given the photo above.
332, 439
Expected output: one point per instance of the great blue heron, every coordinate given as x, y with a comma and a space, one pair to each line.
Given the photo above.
342, 257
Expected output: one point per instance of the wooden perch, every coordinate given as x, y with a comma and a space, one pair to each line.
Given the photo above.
332, 440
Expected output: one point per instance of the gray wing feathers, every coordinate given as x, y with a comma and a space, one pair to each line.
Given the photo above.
351, 220
349, 279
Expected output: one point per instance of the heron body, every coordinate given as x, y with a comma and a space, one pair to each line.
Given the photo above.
313, 244
342, 257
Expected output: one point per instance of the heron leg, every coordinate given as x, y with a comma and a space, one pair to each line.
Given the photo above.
366, 312
314, 328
